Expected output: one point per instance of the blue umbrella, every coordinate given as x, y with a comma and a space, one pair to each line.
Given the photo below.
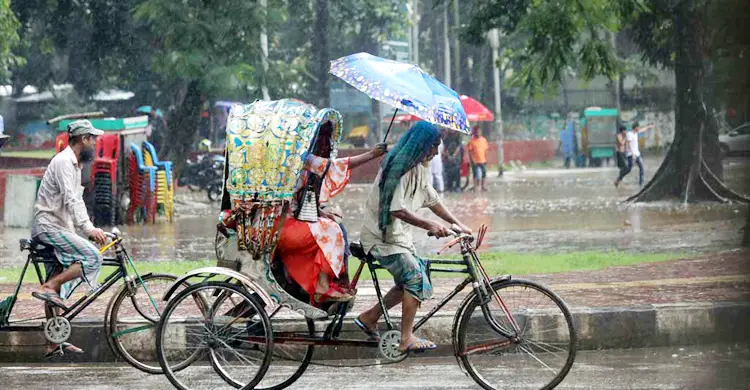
404, 86
147, 110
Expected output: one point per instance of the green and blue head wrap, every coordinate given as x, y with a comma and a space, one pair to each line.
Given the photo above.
410, 150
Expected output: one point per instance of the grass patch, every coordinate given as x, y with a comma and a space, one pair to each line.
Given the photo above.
43, 153
515, 263
10, 275
496, 263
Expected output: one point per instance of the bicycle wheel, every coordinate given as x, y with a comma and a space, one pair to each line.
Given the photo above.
290, 360
130, 321
540, 356
212, 329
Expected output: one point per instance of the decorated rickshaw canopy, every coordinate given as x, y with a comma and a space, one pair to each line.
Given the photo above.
267, 143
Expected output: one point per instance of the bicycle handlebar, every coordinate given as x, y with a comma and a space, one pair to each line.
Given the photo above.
455, 232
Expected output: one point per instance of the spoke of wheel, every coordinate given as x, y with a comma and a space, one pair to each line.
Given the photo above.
540, 346
537, 359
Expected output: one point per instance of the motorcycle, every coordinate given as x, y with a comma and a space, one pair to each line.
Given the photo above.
203, 174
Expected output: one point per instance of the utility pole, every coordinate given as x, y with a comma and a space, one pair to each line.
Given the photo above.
494, 38
456, 45
415, 31
616, 80
446, 48
264, 50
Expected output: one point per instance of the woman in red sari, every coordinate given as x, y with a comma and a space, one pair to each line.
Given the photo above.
314, 253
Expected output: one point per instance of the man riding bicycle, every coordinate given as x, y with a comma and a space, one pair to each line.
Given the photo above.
60, 211
402, 187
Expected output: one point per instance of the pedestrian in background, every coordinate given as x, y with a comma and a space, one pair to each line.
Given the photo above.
453, 158
634, 151
436, 171
568, 143
478, 147
620, 147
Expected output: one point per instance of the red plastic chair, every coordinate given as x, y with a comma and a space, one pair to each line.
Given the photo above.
106, 156
61, 141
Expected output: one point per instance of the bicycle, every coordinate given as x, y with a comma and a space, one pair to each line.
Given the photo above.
131, 314
495, 336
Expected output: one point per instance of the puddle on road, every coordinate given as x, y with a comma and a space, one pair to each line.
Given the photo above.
540, 210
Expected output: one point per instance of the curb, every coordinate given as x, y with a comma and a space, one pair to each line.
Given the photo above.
657, 325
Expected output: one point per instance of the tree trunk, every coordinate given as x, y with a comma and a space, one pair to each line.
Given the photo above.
746, 239
321, 53
692, 169
183, 127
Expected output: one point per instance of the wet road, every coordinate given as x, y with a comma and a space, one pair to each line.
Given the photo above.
549, 210
711, 367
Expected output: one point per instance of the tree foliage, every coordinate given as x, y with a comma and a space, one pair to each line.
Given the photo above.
9, 26
561, 37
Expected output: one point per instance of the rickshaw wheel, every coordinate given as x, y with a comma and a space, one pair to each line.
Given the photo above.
290, 360
217, 325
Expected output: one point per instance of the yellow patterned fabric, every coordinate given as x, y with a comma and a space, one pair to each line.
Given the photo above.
267, 143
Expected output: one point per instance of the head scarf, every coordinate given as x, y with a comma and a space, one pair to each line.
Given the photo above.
410, 150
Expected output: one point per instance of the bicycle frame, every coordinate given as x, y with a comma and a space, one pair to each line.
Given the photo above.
471, 266
121, 272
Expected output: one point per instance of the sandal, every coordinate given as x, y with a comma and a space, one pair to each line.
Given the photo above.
411, 347
374, 334
61, 349
49, 297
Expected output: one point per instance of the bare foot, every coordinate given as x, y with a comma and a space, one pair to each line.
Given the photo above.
67, 347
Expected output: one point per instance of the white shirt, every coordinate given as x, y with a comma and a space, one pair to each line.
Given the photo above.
59, 203
398, 238
2, 125
632, 139
436, 165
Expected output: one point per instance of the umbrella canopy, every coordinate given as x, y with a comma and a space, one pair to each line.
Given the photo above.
404, 86
475, 112
147, 110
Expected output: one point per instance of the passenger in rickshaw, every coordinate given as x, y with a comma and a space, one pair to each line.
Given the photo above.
403, 186
314, 254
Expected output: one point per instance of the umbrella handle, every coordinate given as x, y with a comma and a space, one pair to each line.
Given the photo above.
390, 125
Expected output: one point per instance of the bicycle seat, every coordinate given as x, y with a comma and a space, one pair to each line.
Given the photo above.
37, 248
357, 250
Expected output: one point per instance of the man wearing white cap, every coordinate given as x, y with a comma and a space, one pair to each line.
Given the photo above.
60, 211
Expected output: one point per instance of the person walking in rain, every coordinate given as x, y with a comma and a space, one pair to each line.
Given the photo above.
633, 153
620, 148
568, 143
478, 147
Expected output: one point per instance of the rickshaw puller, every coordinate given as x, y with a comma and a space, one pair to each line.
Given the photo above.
400, 190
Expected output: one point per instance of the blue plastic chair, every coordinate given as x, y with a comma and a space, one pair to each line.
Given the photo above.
143, 169
165, 165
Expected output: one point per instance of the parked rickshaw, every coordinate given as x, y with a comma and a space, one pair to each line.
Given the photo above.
599, 127
233, 322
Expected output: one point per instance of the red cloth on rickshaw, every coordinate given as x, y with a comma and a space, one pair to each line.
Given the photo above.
302, 257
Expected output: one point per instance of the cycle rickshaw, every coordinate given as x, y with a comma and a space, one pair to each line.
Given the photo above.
230, 325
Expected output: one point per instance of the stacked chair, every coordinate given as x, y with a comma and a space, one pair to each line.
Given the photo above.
104, 177
164, 182
61, 141
142, 188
